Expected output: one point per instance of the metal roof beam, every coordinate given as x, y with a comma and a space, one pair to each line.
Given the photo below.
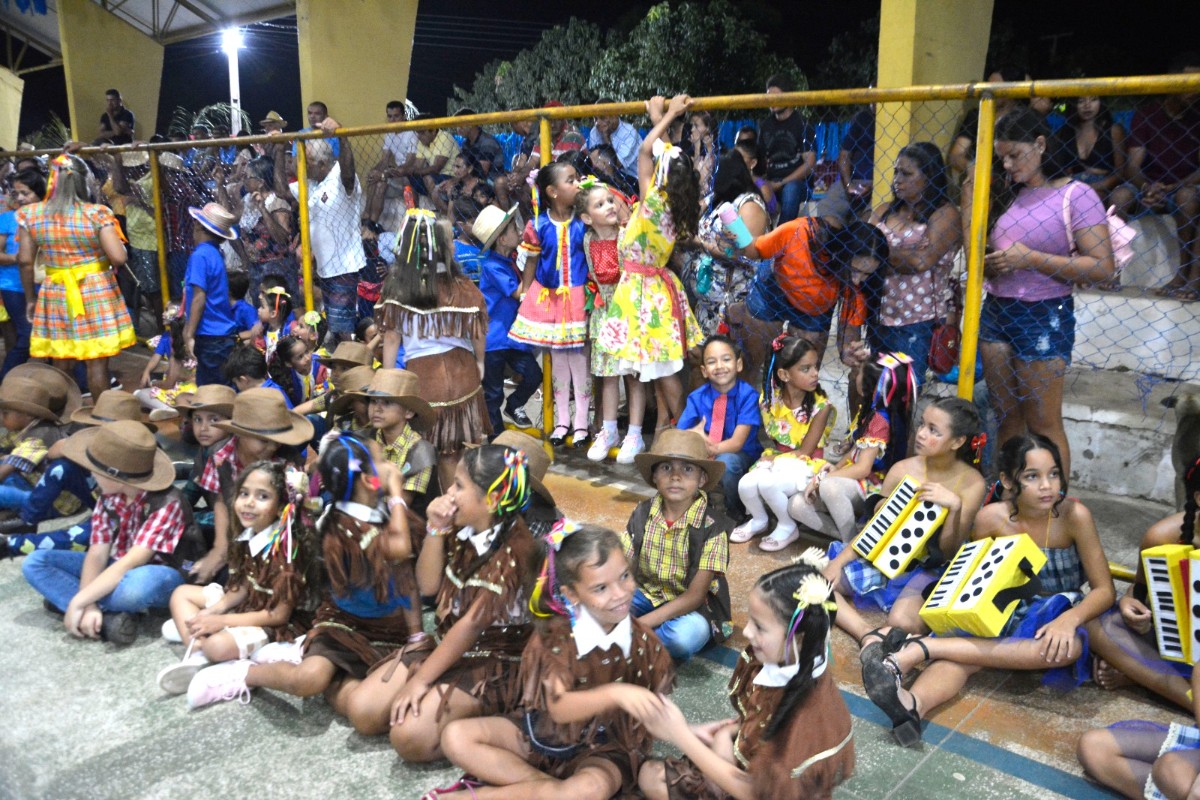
274, 12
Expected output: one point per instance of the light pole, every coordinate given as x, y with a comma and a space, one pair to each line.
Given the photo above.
231, 40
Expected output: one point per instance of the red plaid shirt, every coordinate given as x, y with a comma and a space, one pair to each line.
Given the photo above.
210, 479
125, 522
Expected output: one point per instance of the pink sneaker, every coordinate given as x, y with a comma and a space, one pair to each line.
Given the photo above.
275, 652
218, 683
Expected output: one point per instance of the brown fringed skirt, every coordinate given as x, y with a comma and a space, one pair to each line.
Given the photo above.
354, 644
450, 383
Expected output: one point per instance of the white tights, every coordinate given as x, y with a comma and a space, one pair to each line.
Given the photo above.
841, 497
774, 483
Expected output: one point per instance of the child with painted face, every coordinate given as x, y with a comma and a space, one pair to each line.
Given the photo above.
265, 585
791, 738
370, 606
676, 595
589, 676
476, 560
797, 415
1043, 634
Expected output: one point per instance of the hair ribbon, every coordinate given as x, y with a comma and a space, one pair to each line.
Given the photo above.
664, 154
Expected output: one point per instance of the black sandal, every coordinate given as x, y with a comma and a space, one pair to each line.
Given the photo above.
555, 439
882, 680
578, 441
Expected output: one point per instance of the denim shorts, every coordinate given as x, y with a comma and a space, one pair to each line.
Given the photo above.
1038, 330
913, 340
766, 301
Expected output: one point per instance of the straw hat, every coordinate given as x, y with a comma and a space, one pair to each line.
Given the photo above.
215, 219
65, 395
27, 396
535, 456
169, 160
676, 445
351, 354
273, 118
112, 405
490, 223
354, 383
215, 397
135, 158
401, 385
263, 414
124, 451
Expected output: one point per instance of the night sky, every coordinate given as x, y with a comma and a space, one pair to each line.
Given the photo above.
455, 38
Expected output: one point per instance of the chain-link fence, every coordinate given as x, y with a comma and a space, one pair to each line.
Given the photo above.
1041, 282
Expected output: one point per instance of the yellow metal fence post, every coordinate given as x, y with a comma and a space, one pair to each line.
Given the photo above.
160, 230
546, 143
976, 245
305, 236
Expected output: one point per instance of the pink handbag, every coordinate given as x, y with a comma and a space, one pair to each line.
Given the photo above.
1120, 232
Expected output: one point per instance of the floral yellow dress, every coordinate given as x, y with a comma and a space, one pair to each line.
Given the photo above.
649, 325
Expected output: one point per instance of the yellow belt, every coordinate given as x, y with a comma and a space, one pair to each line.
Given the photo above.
69, 277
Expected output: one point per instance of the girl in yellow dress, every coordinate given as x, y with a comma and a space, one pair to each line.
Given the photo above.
649, 326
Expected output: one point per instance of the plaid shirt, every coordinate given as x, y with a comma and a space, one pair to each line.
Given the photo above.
662, 568
67, 240
397, 453
210, 479
26, 452
123, 522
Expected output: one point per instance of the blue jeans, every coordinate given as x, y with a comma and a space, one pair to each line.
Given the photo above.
683, 636
14, 491
913, 340
525, 364
54, 574
211, 354
736, 465
14, 302
791, 196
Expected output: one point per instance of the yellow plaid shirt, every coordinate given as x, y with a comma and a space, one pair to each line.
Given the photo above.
662, 567
397, 453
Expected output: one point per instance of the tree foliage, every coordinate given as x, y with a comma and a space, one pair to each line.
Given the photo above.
693, 47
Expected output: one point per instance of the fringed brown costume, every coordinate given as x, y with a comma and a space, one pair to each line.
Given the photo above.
501, 580
450, 380
269, 579
812, 754
551, 658
358, 568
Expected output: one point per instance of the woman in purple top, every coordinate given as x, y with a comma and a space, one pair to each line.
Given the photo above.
1027, 327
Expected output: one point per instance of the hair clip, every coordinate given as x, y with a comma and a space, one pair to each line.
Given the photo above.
778, 342
531, 178
509, 493
591, 182
559, 531
312, 318
171, 313
814, 590
664, 153
814, 557
978, 441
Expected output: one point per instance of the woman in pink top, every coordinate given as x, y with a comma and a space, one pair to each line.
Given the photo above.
1027, 328
923, 230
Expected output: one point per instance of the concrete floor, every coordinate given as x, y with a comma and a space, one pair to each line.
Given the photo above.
86, 720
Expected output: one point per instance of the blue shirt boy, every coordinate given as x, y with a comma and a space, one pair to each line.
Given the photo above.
206, 270
741, 409
498, 281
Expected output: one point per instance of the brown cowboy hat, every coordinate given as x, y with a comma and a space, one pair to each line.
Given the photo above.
112, 405
263, 414
673, 444
215, 397
65, 395
351, 354
27, 396
273, 118
401, 385
124, 451
353, 383
535, 456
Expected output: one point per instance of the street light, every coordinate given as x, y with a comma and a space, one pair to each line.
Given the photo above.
231, 40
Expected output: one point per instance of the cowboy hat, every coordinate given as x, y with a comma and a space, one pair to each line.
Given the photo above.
353, 383
214, 397
351, 354
171, 161
273, 118
673, 444
135, 158
215, 219
489, 224
262, 413
400, 385
27, 396
111, 406
537, 462
124, 451
65, 395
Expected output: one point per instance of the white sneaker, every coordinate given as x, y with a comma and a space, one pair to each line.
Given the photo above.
275, 652
176, 678
603, 442
171, 633
218, 683
630, 448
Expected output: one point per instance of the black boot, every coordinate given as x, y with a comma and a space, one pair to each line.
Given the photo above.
16, 527
120, 628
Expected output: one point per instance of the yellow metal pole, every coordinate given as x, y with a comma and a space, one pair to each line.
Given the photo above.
160, 229
976, 245
546, 145
305, 237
